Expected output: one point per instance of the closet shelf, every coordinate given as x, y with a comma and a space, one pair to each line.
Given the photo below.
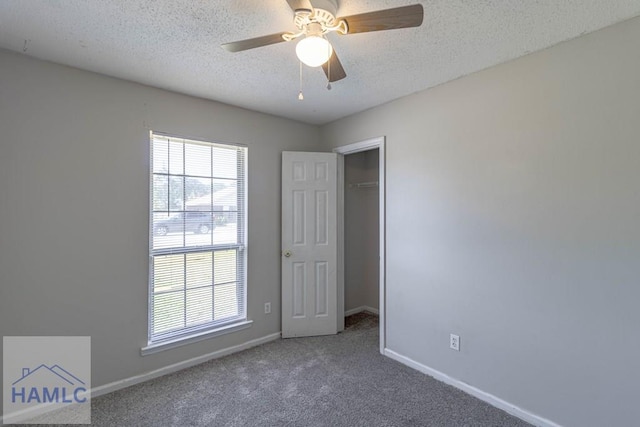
368, 184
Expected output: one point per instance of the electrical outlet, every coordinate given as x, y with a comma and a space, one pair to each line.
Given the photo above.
454, 342
267, 308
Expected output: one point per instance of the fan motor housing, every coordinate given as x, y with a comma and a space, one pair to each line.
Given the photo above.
324, 14
320, 17
330, 6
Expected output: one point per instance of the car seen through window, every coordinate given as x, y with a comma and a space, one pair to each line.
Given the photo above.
195, 222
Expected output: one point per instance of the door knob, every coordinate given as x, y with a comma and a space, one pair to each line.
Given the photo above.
287, 253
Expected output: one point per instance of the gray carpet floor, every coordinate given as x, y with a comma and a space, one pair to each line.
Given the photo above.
320, 381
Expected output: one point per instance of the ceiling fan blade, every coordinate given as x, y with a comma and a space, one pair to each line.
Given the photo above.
300, 4
333, 68
253, 43
388, 19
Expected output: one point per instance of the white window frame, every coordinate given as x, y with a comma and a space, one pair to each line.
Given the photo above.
190, 334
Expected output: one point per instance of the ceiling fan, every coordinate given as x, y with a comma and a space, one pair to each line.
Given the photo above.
314, 19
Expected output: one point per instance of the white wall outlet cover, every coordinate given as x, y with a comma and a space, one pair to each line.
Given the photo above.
454, 342
267, 307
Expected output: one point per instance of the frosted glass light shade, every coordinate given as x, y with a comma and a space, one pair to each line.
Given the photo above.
314, 51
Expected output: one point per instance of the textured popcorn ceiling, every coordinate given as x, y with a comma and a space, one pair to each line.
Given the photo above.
175, 45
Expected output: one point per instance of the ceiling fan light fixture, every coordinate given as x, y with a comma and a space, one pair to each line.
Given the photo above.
314, 51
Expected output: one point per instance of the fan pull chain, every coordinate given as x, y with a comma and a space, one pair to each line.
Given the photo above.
329, 68
300, 95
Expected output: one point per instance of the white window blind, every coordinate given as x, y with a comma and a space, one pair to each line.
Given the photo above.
197, 237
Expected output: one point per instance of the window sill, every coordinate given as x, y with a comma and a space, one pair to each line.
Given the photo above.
198, 336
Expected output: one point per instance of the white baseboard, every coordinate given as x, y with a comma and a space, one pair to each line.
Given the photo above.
117, 385
34, 414
482, 395
360, 310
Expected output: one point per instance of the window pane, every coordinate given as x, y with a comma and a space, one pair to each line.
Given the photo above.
167, 230
225, 301
197, 160
176, 158
198, 239
225, 267
168, 312
168, 273
199, 269
198, 194
160, 193
176, 193
199, 306
225, 162
225, 195
225, 234
161, 155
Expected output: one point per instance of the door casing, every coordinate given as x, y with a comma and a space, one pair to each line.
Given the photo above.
369, 144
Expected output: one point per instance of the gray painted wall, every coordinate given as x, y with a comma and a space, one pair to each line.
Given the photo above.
513, 209
74, 200
361, 228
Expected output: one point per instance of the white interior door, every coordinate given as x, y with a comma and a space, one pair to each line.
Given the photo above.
309, 244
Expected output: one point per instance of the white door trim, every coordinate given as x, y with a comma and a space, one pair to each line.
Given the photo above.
369, 144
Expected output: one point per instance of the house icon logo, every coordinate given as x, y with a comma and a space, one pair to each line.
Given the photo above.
48, 384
